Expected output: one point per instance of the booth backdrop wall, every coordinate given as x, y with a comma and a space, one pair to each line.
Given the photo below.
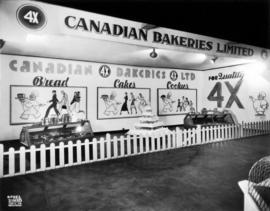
27, 85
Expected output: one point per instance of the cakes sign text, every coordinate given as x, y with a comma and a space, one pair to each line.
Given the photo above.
124, 84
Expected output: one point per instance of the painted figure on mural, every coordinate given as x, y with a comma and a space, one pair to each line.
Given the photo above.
179, 105
260, 104
30, 105
191, 107
167, 102
64, 103
111, 105
125, 106
132, 104
142, 102
53, 105
75, 103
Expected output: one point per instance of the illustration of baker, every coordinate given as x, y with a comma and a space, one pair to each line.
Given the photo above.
111, 106
260, 104
30, 105
53, 105
167, 102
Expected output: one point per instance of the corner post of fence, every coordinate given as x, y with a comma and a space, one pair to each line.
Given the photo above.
1, 160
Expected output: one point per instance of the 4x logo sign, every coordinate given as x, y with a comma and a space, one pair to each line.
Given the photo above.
216, 94
233, 92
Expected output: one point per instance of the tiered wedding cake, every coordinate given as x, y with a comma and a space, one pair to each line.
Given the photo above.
148, 124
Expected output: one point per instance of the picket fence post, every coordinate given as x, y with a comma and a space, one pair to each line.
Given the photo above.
115, 147
141, 144
135, 144
233, 131
1, 160
153, 148
147, 140
122, 146
172, 133
128, 145
11, 160
206, 135
22, 160
108, 140
52, 155
32, 158
94, 148
70, 153
193, 136
86, 144
241, 130
79, 151
61, 155
158, 142
184, 138
101, 148
214, 133
42, 157
178, 137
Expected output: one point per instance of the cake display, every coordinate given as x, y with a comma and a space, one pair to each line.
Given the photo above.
148, 124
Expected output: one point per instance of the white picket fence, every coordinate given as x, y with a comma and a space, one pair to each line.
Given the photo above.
43, 158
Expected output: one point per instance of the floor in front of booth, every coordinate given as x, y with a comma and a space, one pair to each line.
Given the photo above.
194, 178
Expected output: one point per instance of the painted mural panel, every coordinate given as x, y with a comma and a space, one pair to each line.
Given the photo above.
113, 103
176, 101
33, 104
244, 90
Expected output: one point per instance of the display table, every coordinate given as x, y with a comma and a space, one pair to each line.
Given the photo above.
249, 204
209, 118
37, 134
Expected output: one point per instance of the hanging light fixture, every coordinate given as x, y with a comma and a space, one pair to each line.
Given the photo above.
153, 54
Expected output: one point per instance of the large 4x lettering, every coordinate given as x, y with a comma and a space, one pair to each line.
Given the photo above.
216, 94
